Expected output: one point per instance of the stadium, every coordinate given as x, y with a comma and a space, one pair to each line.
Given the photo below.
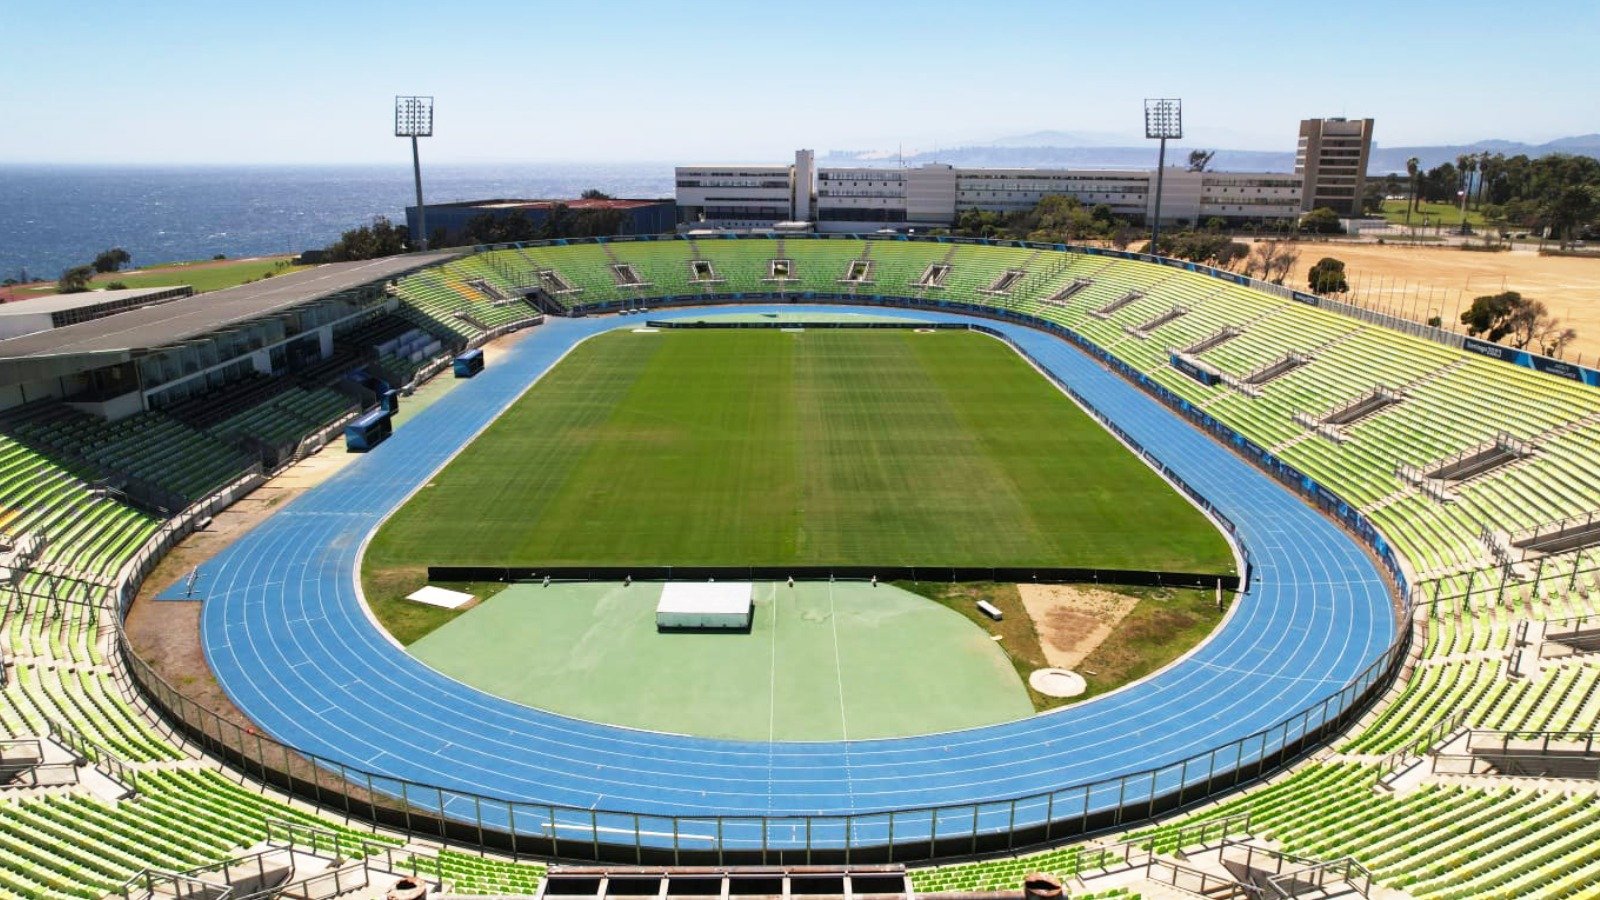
1400, 522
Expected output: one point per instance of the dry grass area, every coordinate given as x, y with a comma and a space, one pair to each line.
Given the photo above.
1165, 624
1072, 620
1143, 628
1423, 277
166, 634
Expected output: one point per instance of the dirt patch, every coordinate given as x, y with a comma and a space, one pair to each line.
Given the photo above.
1071, 620
1110, 637
1417, 281
1162, 626
166, 634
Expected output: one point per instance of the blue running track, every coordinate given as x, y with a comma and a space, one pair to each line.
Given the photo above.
287, 635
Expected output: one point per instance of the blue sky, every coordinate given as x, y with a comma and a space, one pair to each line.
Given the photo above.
291, 82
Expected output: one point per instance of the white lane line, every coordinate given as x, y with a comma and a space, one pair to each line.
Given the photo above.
772, 687
838, 663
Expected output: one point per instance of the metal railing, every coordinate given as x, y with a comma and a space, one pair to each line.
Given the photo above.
1198, 882
1490, 586
22, 764
104, 761
1141, 851
1274, 874
1538, 754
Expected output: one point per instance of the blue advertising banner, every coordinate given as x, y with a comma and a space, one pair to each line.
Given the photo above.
1532, 361
1209, 379
1556, 367
1494, 351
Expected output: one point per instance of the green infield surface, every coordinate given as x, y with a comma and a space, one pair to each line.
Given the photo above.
821, 662
820, 447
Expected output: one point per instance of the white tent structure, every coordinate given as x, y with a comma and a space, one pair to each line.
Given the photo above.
704, 605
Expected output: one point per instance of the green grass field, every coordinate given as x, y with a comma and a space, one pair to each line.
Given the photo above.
1446, 214
202, 275
837, 447
821, 662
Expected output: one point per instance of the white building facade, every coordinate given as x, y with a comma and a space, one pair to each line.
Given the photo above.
867, 198
745, 196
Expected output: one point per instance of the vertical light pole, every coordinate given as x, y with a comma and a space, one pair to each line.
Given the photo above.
1163, 119
413, 118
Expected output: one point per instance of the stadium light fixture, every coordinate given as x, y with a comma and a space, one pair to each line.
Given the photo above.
1163, 119
413, 118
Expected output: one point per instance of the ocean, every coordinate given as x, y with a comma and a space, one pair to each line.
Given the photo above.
55, 217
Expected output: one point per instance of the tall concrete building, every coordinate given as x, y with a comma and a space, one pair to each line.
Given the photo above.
1331, 160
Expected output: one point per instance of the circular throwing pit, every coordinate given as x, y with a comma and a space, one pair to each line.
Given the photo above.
1057, 682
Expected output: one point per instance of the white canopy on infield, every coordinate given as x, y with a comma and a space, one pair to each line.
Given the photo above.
711, 604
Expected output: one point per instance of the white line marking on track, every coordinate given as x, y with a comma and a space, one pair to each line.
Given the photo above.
838, 663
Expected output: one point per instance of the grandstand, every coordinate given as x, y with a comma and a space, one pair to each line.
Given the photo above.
1448, 459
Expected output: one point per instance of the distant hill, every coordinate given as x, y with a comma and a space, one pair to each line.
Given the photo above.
1086, 150
1393, 159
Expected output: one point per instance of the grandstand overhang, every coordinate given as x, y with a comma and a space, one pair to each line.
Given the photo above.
115, 339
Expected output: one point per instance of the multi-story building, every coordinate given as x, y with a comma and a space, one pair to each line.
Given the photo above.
745, 196
1331, 160
932, 196
1328, 172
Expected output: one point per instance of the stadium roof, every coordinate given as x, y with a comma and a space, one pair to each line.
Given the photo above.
116, 338
55, 303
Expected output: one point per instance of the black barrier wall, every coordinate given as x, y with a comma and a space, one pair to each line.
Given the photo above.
1134, 577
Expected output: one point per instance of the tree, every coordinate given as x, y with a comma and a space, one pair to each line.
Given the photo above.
1327, 276
1322, 220
492, 228
1570, 209
596, 194
1486, 162
381, 238
557, 222
1207, 247
75, 280
596, 223
1414, 170
977, 223
1440, 182
1058, 218
1520, 321
1554, 337
1199, 160
1467, 163
111, 260
1271, 261
1373, 195
1494, 316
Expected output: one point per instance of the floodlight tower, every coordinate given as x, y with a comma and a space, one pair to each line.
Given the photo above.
1163, 119
413, 118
